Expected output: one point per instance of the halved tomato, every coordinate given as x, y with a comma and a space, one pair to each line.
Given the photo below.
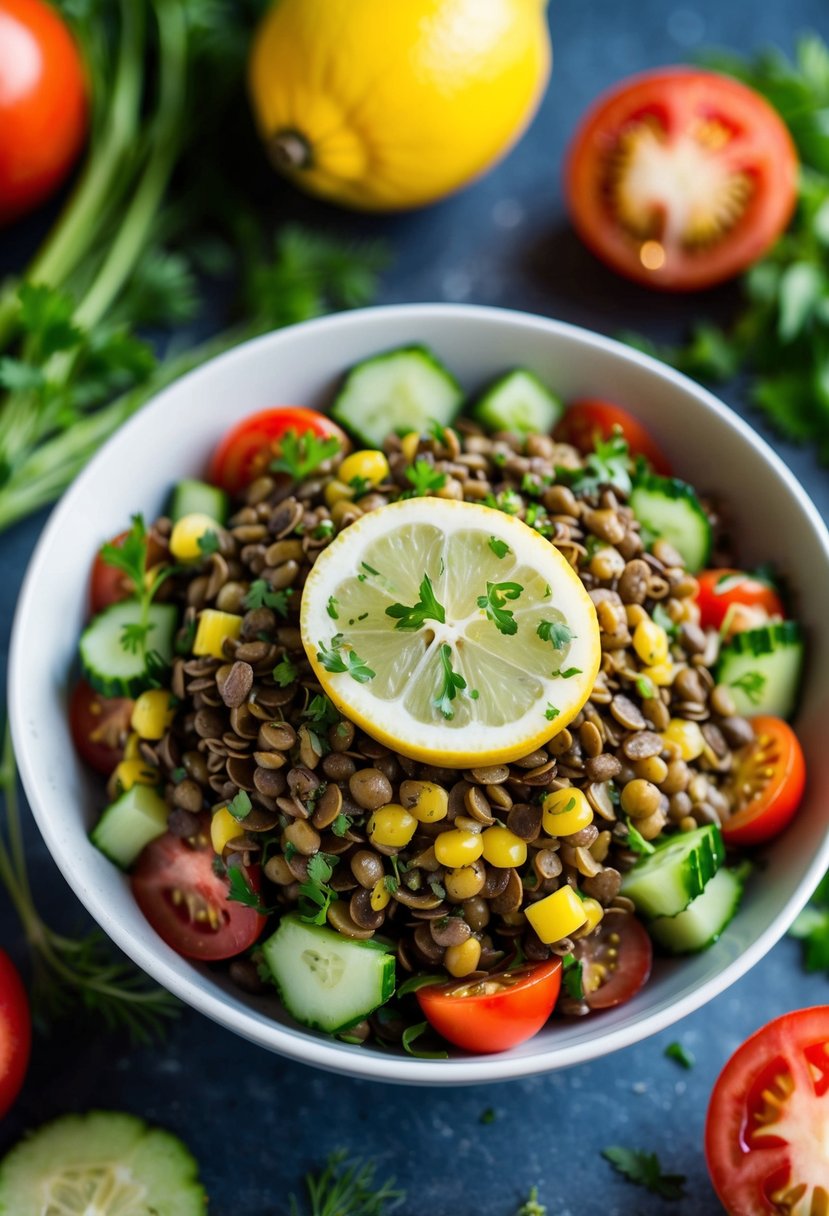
766, 784
586, 421
248, 448
767, 1128
15, 1033
494, 1013
681, 178
186, 901
616, 961
99, 726
109, 585
733, 600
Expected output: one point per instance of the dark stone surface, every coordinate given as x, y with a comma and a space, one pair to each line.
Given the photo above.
256, 1122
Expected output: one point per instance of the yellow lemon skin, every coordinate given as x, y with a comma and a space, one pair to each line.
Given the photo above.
382, 105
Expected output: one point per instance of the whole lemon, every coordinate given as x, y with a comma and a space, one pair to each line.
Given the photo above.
386, 104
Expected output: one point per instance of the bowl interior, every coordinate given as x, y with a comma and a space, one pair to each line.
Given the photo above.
173, 437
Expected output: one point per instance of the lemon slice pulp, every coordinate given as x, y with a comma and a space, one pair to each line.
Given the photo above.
450, 632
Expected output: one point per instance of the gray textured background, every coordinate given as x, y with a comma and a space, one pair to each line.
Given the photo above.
256, 1122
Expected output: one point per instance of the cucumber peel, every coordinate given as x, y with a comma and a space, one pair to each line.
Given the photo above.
665, 882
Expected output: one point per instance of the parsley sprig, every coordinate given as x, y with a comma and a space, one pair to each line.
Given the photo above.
316, 896
261, 595
301, 453
130, 557
424, 479
347, 1188
452, 684
609, 464
557, 633
493, 604
337, 659
644, 1169
427, 608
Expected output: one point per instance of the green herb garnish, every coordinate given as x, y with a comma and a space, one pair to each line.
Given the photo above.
451, 684
324, 529
334, 658
573, 977
644, 1169
636, 842
531, 1205
424, 479
410, 1036
316, 896
499, 547
130, 557
551, 713
675, 1051
241, 891
752, 684
427, 608
301, 454
331, 608
347, 1188
260, 595
285, 673
812, 928
240, 806
567, 674
555, 632
608, 465
321, 712
209, 542
493, 605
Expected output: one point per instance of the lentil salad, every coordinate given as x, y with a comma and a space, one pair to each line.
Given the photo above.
260, 800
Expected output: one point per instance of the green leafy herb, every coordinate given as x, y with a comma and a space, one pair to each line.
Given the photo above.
507, 500
567, 674
812, 928
752, 684
436, 429
551, 713
573, 977
487, 1116
334, 658
178, 774
451, 684
644, 1170
427, 608
424, 479
130, 557
260, 595
675, 1051
608, 465
240, 806
241, 890
636, 842
316, 896
415, 982
499, 547
531, 1205
556, 633
360, 486
341, 825
392, 884
663, 618
331, 608
347, 1188
285, 672
645, 687
493, 605
324, 529
410, 1036
209, 542
322, 712
301, 453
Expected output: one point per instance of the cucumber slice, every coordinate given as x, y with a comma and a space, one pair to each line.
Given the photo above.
327, 981
704, 919
520, 403
104, 1162
762, 669
403, 389
666, 881
670, 508
130, 823
191, 497
109, 666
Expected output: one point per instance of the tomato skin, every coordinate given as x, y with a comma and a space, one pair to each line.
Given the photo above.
742, 1172
498, 1021
96, 723
631, 969
168, 863
43, 104
764, 816
680, 100
15, 1033
718, 599
588, 419
108, 585
248, 447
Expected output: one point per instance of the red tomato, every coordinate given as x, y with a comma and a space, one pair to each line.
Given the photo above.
43, 105
586, 421
99, 726
767, 1128
495, 1013
15, 1033
613, 971
680, 178
174, 883
109, 585
733, 600
248, 448
766, 785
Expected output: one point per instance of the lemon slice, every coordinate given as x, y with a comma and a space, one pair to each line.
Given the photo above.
450, 632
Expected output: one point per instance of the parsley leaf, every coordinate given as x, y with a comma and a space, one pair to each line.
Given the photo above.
260, 595
331, 608
675, 1051
424, 478
451, 684
662, 617
493, 605
645, 687
322, 712
316, 896
208, 542
333, 658
240, 806
499, 547
551, 713
411, 1034
567, 674
636, 842
341, 824
573, 977
531, 1206
812, 928
608, 465
555, 632
241, 890
752, 684
301, 454
324, 529
507, 501
427, 608
285, 673
130, 557
644, 1169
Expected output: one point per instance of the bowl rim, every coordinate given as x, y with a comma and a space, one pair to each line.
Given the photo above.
296, 1044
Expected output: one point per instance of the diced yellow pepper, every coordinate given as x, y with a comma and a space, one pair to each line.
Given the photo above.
368, 465
133, 772
409, 445
224, 828
650, 641
458, 848
391, 826
687, 736
186, 534
565, 812
214, 629
594, 912
153, 713
557, 915
502, 848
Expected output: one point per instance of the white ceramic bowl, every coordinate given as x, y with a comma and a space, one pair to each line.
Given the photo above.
173, 436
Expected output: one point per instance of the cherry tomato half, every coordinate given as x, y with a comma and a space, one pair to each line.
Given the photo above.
586, 421
99, 726
616, 961
767, 1125
681, 178
109, 585
186, 902
248, 448
495, 1013
43, 106
733, 600
766, 785
15, 1033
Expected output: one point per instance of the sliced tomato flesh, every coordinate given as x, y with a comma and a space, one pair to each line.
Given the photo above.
497, 1011
99, 726
767, 783
15, 1033
588, 421
733, 600
616, 961
247, 450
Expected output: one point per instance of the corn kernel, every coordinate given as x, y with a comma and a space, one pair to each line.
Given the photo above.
565, 812
463, 959
465, 882
132, 772
687, 736
370, 466
186, 534
214, 628
152, 713
661, 674
337, 491
380, 895
223, 828
594, 912
650, 641
457, 848
426, 801
557, 915
409, 445
503, 848
131, 751
391, 826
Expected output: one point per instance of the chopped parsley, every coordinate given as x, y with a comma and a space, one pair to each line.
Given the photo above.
130, 557
551, 713
240, 806
645, 687
321, 712
260, 595
451, 684
662, 617
675, 1051
316, 896
331, 608
608, 465
285, 673
567, 674
427, 608
241, 891
300, 455
341, 824
424, 479
334, 658
555, 632
209, 542
636, 842
323, 530
361, 486
644, 1169
493, 605
499, 547
573, 977
436, 430
507, 501
752, 684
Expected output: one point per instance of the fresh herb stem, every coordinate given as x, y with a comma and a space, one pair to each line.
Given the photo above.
347, 1188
